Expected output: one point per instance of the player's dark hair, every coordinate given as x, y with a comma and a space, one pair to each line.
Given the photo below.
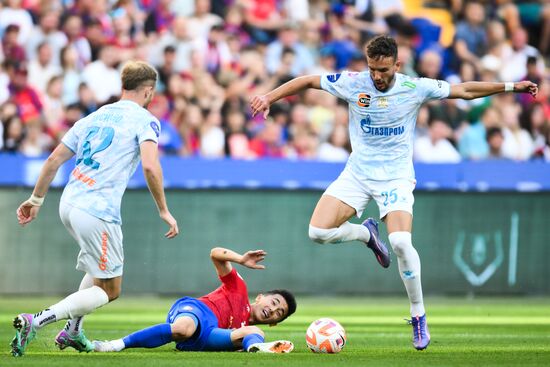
382, 46
289, 298
136, 74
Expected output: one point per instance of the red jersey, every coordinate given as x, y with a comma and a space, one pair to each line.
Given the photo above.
229, 302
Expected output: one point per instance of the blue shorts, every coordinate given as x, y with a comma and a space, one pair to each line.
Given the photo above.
207, 323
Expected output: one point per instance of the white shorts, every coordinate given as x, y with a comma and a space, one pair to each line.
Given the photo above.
390, 195
101, 253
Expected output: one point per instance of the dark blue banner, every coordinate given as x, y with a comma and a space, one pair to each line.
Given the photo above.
194, 173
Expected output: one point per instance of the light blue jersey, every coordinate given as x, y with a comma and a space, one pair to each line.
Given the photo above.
106, 144
381, 124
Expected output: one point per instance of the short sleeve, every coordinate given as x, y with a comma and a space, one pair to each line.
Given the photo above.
337, 84
428, 89
70, 139
149, 131
233, 281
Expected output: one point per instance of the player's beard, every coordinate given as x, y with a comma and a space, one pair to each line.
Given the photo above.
385, 85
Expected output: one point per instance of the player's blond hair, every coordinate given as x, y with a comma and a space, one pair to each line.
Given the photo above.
136, 74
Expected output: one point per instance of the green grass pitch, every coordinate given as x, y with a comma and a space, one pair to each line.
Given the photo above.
478, 332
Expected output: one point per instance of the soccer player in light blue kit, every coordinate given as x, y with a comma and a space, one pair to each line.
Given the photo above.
383, 105
108, 145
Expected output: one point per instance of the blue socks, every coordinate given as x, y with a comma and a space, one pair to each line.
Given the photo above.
252, 339
152, 337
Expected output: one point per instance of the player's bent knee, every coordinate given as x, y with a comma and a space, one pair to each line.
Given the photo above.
183, 328
400, 241
112, 292
321, 235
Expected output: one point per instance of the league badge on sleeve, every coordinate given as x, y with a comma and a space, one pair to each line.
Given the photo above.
155, 128
333, 77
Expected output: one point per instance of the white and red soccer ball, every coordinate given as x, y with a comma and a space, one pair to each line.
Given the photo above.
325, 336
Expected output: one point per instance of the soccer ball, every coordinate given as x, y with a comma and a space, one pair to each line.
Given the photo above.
325, 336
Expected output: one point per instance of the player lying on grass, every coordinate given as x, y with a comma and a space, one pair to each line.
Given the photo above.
220, 320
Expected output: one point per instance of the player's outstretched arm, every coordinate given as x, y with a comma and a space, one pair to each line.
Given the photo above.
153, 175
472, 90
261, 104
222, 259
28, 210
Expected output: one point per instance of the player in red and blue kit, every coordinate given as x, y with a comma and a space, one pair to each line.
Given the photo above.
221, 320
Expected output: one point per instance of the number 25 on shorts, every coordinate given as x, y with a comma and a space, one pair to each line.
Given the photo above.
390, 197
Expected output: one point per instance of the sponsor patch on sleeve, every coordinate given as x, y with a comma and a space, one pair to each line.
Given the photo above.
333, 77
155, 128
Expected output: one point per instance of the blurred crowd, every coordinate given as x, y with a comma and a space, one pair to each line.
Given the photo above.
61, 60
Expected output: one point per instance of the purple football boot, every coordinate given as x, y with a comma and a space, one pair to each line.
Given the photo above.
421, 334
376, 245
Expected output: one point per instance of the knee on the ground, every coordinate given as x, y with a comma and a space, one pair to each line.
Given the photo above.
321, 235
400, 241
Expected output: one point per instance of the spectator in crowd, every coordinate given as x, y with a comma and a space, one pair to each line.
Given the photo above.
202, 20
267, 143
13, 134
123, 36
495, 139
473, 143
337, 148
71, 75
13, 13
435, 147
429, 64
535, 122
514, 67
212, 137
518, 144
215, 50
287, 38
160, 17
74, 30
26, 98
263, 19
326, 63
470, 41
86, 99
178, 37
11, 49
47, 31
35, 142
237, 143
169, 139
54, 113
42, 68
96, 37
102, 76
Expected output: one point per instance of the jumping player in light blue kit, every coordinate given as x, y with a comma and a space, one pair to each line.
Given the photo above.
108, 145
383, 105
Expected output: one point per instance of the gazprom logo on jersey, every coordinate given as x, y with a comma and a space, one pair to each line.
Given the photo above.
380, 131
333, 77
